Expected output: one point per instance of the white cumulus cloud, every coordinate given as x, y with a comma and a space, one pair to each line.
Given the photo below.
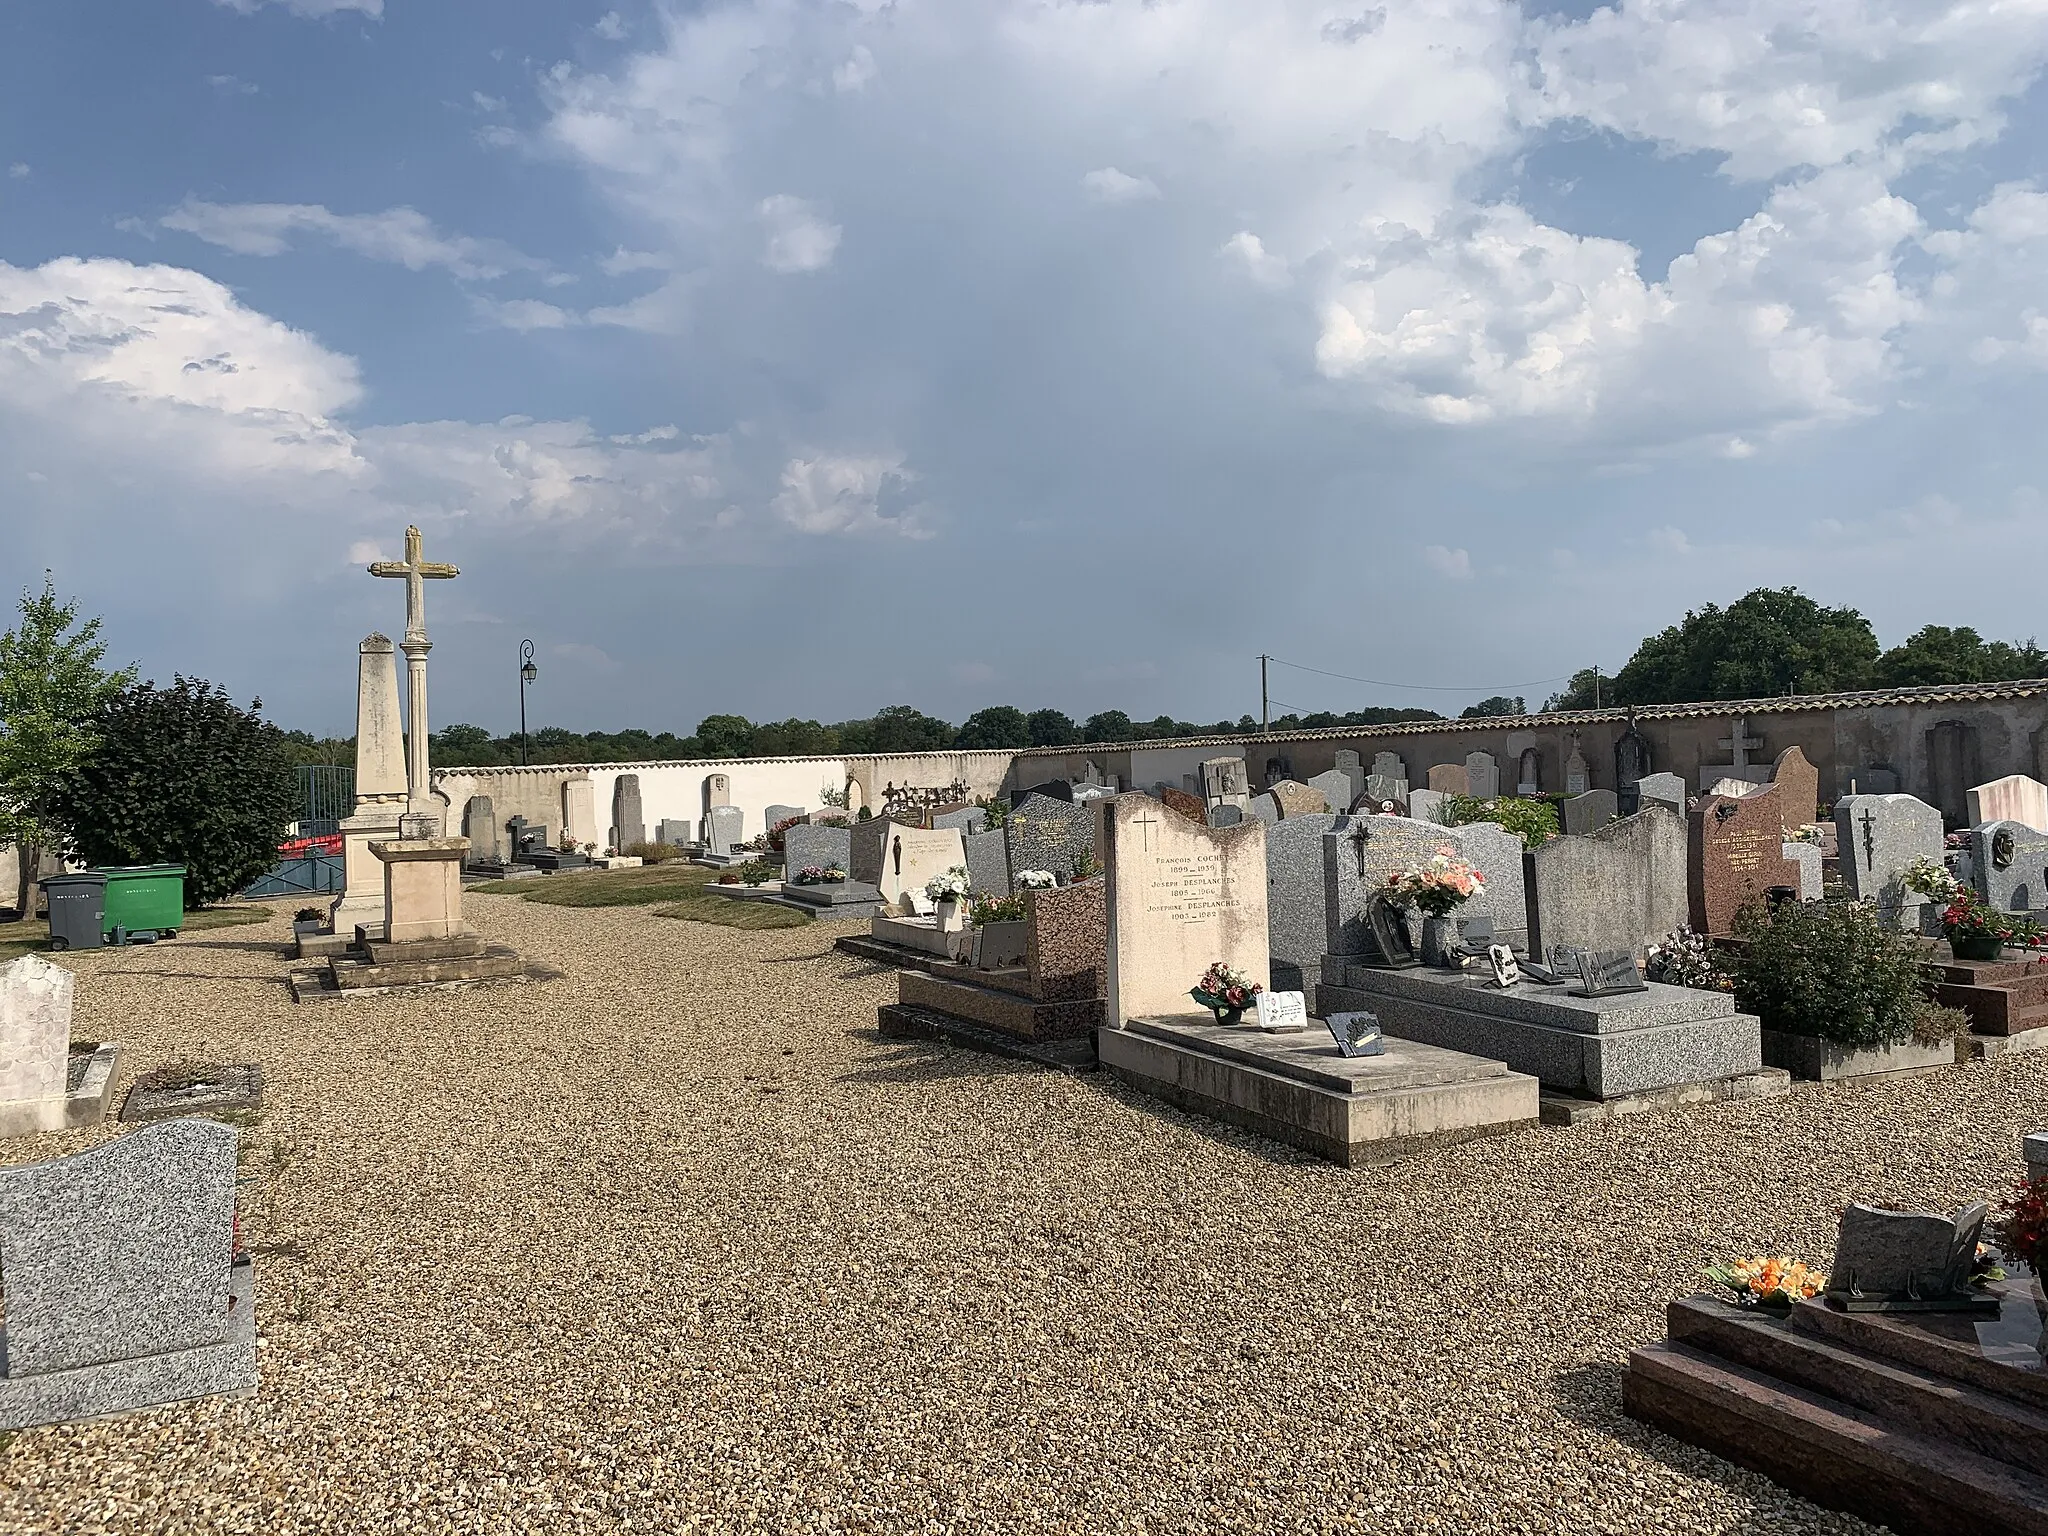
1454, 563
800, 239
1110, 185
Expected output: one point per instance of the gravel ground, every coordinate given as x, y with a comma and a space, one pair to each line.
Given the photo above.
676, 1244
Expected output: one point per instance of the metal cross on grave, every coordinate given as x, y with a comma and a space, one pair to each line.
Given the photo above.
415, 572
1146, 821
1739, 743
1869, 836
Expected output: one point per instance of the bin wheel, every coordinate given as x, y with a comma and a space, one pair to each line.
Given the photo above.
59, 943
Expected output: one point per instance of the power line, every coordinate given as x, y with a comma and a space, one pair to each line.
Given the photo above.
1377, 682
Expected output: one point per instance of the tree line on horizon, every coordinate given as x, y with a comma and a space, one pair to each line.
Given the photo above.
1771, 642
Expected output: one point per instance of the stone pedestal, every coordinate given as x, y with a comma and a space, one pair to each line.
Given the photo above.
422, 887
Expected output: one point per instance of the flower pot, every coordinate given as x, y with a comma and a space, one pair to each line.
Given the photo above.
1229, 1015
1976, 946
951, 915
1440, 942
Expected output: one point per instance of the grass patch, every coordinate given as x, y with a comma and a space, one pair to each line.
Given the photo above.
643, 887
18, 939
727, 913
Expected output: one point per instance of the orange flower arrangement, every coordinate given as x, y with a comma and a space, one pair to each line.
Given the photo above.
1769, 1282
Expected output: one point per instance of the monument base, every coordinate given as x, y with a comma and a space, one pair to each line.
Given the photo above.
121, 1386
1925, 1423
1609, 1047
1298, 1089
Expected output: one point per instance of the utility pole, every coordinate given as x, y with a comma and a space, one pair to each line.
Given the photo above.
1265, 711
1596, 687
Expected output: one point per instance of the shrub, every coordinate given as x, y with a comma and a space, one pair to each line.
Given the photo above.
1828, 969
654, 853
1533, 821
183, 775
996, 909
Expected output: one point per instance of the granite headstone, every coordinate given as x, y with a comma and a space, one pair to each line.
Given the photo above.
1876, 838
2009, 866
1294, 798
1335, 788
722, 825
1735, 852
988, 862
806, 845
1450, 779
1297, 931
1588, 812
1621, 886
480, 826
1049, 834
1798, 783
629, 825
1182, 803
120, 1279
1482, 775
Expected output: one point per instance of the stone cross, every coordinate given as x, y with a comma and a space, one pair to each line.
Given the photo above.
1738, 744
415, 571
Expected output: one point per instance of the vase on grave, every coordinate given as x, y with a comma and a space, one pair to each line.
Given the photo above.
951, 913
1440, 942
1976, 946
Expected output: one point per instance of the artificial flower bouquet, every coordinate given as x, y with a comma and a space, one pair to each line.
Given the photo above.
1225, 989
820, 874
1774, 1283
2022, 1226
1034, 880
1438, 887
996, 909
1931, 877
950, 886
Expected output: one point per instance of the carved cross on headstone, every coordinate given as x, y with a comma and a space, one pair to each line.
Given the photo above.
1145, 821
1359, 838
415, 571
1739, 743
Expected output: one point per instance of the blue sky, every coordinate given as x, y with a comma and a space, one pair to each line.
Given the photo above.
796, 359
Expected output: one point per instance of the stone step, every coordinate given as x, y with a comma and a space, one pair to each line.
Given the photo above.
1903, 1394
865, 946
2000, 1356
895, 1021
497, 963
1991, 973
1828, 1451
998, 1009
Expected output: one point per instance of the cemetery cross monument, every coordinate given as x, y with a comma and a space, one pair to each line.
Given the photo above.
416, 572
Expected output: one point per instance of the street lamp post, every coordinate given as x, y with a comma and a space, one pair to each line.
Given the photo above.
527, 673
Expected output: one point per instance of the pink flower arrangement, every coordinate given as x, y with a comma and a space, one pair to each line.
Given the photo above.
1445, 883
1223, 986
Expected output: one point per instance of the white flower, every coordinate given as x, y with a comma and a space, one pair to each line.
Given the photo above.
1035, 880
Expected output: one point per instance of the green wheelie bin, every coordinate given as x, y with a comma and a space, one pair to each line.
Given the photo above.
144, 901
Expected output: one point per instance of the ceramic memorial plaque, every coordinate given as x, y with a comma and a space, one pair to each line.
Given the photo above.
1605, 972
1357, 1034
1281, 1013
1505, 972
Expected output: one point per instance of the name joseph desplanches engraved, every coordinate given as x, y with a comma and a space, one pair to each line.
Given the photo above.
1189, 888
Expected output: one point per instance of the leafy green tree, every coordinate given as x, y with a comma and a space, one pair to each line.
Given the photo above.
465, 746
1767, 643
181, 775
1499, 704
899, 728
334, 751
1938, 654
795, 738
52, 689
1588, 688
725, 735
1109, 725
994, 729
1051, 728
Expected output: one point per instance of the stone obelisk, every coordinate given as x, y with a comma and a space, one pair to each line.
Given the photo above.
416, 572
380, 788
